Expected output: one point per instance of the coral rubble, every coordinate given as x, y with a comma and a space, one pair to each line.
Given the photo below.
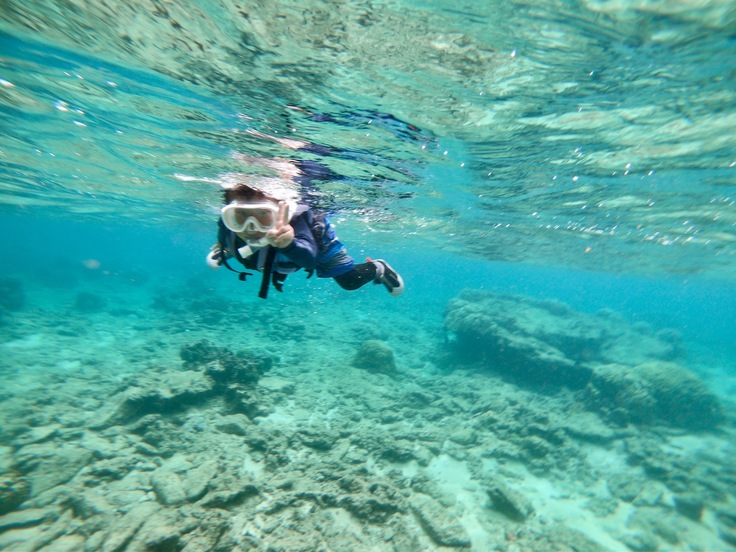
589, 445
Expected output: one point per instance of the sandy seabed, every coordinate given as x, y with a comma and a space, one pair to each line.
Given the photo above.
136, 418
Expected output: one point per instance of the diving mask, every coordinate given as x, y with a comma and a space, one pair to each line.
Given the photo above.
253, 217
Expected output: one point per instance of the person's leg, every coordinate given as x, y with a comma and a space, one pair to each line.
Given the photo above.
378, 272
359, 276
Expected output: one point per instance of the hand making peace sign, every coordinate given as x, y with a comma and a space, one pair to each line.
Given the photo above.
282, 234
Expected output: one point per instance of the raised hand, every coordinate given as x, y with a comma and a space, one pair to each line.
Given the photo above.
282, 234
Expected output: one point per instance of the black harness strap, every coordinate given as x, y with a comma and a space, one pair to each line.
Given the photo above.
241, 275
267, 269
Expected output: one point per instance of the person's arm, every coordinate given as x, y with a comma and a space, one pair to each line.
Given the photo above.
303, 249
223, 239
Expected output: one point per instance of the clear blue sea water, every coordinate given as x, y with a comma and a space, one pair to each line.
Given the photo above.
580, 151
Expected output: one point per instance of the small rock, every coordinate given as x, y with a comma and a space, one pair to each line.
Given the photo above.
234, 424
88, 504
146, 450
656, 522
536, 447
367, 508
14, 491
649, 495
625, 487
423, 456
67, 543
277, 384
100, 447
37, 435
197, 481
159, 537
168, 487
398, 452
48, 464
26, 518
230, 498
464, 436
317, 440
586, 426
418, 399
602, 507
124, 529
690, 505
442, 527
171, 392
509, 503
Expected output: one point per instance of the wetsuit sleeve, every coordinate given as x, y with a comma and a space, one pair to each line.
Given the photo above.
303, 250
221, 234
222, 238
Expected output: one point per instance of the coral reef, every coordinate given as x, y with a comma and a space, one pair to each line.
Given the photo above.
224, 366
626, 371
375, 355
188, 445
209, 372
662, 392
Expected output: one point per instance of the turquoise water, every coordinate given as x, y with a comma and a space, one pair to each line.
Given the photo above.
572, 162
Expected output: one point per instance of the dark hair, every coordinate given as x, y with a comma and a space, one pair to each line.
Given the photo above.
243, 192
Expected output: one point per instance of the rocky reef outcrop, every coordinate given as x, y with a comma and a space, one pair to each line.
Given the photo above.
177, 443
655, 391
627, 372
375, 355
209, 372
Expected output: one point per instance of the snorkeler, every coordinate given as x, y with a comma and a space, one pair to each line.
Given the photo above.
277, 236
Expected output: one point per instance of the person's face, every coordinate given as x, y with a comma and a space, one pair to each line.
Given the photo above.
250, 235
251, 220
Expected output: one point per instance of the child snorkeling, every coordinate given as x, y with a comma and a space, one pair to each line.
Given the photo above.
277, 236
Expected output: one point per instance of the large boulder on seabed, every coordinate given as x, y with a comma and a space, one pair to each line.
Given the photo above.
654, 392
539, 342
627, 372
507, 330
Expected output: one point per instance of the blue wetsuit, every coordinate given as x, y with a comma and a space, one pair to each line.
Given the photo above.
315, 248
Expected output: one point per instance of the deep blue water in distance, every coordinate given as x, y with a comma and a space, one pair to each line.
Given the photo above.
702, 310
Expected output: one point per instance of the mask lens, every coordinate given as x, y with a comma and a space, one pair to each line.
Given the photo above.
265, 218
255, 218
